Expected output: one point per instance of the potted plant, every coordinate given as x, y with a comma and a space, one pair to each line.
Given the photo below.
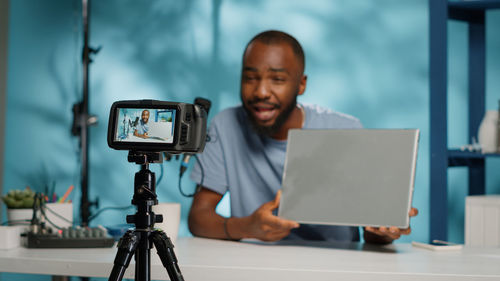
19, 206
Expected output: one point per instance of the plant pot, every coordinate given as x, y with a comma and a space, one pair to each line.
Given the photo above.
20, 217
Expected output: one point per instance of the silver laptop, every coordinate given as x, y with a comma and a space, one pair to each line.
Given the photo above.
358, 177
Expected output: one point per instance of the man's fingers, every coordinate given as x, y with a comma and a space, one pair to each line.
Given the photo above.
394, 229
406, 231
273, 204
391, 232
279, 223
277, 198
413, 212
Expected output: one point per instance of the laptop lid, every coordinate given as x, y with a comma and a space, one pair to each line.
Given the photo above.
358, 177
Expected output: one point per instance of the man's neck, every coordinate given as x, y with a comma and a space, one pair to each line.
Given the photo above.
295, 121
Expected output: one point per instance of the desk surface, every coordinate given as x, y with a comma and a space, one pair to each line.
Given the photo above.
206, 259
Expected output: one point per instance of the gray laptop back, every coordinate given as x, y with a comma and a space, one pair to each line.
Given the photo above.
360, 177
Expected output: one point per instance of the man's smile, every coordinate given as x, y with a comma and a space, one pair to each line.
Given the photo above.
264, 112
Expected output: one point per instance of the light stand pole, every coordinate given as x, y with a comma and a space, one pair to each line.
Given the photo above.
81, 118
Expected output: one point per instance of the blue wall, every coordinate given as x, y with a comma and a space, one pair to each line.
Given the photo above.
365, 58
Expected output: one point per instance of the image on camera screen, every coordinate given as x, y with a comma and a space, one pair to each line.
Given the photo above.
145, 125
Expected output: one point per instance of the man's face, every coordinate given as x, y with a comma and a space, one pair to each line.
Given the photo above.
271, 79
145, 116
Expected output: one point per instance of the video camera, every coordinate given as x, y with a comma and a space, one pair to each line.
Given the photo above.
157, 126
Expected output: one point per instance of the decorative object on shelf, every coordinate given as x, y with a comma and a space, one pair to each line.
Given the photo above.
474, 147
19, 206
487, 134
498, 128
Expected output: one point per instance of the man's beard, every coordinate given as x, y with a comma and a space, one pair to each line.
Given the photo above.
269, 131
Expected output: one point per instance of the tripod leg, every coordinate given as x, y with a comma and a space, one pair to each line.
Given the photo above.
165, 250
126, 249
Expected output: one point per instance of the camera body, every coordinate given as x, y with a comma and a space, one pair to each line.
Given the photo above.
157, 126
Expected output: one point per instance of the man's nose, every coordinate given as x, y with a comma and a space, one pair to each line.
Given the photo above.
263, 91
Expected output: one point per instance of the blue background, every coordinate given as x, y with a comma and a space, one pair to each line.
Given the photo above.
369, 59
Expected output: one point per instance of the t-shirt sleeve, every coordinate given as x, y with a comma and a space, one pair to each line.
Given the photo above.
210, 170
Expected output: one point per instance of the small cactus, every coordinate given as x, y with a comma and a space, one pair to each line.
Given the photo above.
19, 199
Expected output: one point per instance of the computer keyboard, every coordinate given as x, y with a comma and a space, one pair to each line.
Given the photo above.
72, 237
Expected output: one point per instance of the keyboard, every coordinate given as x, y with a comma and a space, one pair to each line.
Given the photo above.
72, 237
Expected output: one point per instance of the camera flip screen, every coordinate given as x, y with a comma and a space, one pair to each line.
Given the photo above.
145, 125
157, 126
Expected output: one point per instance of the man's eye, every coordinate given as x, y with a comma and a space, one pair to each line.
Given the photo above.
278, 79
249, 78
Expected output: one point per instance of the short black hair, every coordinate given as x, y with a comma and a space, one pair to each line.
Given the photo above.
271, 37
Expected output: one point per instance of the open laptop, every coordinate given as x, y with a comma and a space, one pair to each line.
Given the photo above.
358, 177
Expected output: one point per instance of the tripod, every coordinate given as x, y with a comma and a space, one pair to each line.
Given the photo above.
139, 241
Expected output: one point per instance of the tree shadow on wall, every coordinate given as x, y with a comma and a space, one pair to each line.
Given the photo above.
169, 43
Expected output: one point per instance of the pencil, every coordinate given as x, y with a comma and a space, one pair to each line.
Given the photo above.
62, 199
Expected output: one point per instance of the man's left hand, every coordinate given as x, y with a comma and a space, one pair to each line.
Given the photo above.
387, 234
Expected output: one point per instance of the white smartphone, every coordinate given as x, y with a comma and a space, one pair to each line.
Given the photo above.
438, 245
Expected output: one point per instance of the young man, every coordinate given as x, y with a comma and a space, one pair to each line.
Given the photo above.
143, 128
246, 151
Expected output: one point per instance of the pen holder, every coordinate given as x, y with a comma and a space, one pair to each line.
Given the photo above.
60, 214
171, 213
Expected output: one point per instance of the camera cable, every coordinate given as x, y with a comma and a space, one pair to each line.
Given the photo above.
201, 181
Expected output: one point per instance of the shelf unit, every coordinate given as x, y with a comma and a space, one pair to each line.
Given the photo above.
473, 13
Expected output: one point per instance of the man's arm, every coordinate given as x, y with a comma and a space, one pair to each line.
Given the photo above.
144, 136
262, 224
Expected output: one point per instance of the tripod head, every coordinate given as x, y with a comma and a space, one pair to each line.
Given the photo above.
144, 190
144, 158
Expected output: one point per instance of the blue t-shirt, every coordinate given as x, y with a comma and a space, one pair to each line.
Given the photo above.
142, 127
250, 166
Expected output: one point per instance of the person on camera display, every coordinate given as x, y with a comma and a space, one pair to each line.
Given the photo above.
246, 150
142, 128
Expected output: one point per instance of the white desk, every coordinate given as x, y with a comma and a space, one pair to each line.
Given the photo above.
206, 259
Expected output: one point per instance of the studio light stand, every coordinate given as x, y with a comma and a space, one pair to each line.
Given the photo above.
139, 241
82, 119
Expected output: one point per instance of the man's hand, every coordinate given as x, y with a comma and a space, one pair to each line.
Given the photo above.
261, 224
387, 234
144, 136
265, 226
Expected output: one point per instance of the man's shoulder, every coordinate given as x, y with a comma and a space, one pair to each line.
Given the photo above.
229, 121
228, 115
321, 117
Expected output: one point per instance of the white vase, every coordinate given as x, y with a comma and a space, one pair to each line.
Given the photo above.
488, 131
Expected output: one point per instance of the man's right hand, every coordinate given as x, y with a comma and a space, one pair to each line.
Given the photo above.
265, 226
261, 224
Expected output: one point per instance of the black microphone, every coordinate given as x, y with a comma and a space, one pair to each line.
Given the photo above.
205, 104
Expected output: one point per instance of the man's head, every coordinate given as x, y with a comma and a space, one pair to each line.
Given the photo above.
145, 116
272, 78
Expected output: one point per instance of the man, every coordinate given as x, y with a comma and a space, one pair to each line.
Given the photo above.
246, 151
143, 128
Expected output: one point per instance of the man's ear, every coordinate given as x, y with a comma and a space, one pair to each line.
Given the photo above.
303, 84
